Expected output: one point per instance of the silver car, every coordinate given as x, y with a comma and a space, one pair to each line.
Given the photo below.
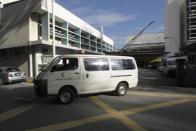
11, 74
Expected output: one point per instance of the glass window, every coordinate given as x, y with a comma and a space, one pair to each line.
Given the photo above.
128, 64
117, 64
122, 64
66, 64
104, 64
91, 64
96, 64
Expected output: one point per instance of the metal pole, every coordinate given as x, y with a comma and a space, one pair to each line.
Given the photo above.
53, 31
0, 13
136, 37
101, 38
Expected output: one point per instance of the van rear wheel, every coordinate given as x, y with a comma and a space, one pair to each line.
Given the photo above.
65, 96
121, 89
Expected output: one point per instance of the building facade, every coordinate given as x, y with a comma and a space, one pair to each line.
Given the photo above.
148, 43
26, 35
181, 31
147, 48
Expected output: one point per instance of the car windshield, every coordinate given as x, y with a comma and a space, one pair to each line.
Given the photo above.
47, 67
12, 70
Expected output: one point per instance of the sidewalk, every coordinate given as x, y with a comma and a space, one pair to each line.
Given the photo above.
152, 80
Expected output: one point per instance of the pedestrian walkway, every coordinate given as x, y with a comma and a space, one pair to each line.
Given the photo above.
153, 80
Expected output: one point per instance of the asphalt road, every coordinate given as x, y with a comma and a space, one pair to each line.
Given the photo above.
138, 110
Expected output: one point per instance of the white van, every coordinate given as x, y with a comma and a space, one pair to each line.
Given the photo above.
73, 75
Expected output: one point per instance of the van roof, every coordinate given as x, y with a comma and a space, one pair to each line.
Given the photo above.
84, 55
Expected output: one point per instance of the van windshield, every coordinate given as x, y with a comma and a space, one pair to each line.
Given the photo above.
47, 67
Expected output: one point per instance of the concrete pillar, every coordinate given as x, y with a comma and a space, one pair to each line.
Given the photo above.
30, 64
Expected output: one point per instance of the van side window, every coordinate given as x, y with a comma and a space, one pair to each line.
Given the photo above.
122, 64
66, 64
128, 64
117, 64
1, 70
104, 64
96, 64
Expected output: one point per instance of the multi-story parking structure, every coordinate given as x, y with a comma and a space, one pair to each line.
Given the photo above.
26, 34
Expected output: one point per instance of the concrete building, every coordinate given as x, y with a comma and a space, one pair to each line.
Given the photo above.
181, 33
147, 48
148, 43
26, 33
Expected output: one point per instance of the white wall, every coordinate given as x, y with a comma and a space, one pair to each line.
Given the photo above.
15, 27
66, 15
172, 26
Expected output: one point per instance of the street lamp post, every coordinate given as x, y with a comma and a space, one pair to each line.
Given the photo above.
1, 13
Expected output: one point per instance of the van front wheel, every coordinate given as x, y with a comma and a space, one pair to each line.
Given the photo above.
121, 89
65, 96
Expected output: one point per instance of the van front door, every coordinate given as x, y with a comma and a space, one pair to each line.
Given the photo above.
96, 75
66, 72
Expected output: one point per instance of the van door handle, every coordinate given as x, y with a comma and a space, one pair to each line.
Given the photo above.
87, 75
76, 73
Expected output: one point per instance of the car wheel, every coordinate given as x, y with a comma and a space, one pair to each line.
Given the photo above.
121, 89
65, 96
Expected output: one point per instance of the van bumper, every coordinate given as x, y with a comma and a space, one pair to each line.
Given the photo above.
40, 88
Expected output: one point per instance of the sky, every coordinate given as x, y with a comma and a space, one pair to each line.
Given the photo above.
120, 18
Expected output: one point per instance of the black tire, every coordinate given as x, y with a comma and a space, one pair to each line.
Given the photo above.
65, 96
121, 89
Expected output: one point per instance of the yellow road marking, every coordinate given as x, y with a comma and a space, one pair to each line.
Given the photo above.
71, 124
156, 94
16, 111
76, 123
116, 114
155, 106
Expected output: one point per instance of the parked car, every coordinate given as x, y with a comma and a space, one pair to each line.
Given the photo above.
11, 74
